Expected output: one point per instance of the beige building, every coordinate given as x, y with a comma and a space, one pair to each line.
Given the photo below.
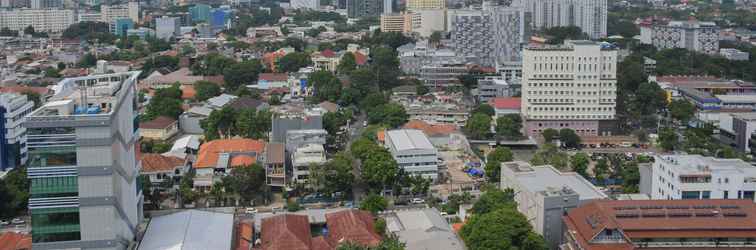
43, 20
160, 128
425, 4
396, 22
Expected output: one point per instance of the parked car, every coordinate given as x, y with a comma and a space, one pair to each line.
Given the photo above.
4, 222
250, 210
417, 201
17, 221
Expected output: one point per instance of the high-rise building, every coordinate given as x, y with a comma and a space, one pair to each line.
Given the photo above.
569, 86
220, 19
364, 8
702, 37
388, 6
111, 13
121, 25
13, 108
676, 177
44, 4
167, 27
413, 5
494, 34
589, 15
82, 164
43, 20
305, 4
200, 13
395, 22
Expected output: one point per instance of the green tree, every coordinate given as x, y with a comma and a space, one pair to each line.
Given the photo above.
557, 35
630, 178
347, 64
241, 74
88, 60
681, 110
435, 38
504, 228
549, 134
34, 97
385, 64
165, 102
668, 139
391, 115
601, 170
293, 61
569, 138
206, 90
220, 124
373, 203
478, 126
494, 160
484, 109
550, 154
579, 163
247, 181
338, 174
492, 200
509, 126
379, 169
327, 86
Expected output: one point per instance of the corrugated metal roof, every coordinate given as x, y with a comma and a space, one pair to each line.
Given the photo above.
409, 139
193, 229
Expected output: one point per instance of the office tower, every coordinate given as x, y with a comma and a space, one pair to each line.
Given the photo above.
82, 166
388, 6
413, 5
702, 37
305, 4
121, 25
133, 10
573, 86
43, 20
45, 4
167, 27
13, 108
494, 35
111, 13
364, 8
589, 15
220, 19
396, 22
676, 177
200, 13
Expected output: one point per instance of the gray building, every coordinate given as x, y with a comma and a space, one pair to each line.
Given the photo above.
413, 152
702, 37
422, 229
45, 4
364, 8
589, 15
167, 27
282, 123
492, 87
82, 164
544, 195
13, 108
494, 34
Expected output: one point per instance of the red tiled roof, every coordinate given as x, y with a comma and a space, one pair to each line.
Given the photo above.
242, 160
439, 129
158, 163
360, 58
15, 241
208, 153
188, 92
505, 102
20, 89
588, 220
320, 243
278, 77
160, 122
286, 232
381, 135
328, 53
244, 236
352, 226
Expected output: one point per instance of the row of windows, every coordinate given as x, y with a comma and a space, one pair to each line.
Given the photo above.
50, 185
52, 156
565, 92
572, 116
571, 108
583, 101
571, 58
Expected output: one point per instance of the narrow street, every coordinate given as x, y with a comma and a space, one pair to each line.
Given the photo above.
355, 132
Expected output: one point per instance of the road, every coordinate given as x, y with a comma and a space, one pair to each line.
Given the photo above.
355, 132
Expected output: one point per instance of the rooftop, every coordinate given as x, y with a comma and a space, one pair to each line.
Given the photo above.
692, 164
161, 122
191, 229
505, 102
423, 229
352, 225
273, 77
286, 232
101, 94
15, 241
210, 152
408, 139
549, 180
156, 163
430, 130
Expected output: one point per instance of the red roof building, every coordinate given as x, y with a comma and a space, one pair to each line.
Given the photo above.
661, 224
505, 103
430, 130
273, 77
15, 241
354, 226
286, 232
241, 152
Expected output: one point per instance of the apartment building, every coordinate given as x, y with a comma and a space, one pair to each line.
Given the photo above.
167, 27
734, 54
46, 4
364, 8
414, 152
413, 5
543, 194
13, 108
43, 20
702, 37
736, 129
396, 22
303, 158
661, 224
305, 4
676, 177
494, 34
570, 86
82, 165
111, 13
589, 15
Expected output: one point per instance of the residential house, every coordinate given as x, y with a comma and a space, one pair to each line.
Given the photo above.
422, 229
352, 225
275, 165
271, 80
329, 106
246, 102
293, 232
159, 168
505, 105
185, 148
160, 128
303, 158
326, 60
216, 158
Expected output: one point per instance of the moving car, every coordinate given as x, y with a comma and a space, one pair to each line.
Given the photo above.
417, 201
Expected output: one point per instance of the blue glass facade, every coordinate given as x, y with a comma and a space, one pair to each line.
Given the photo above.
200, 13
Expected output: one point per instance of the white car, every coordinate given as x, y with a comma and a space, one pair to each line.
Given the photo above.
17, 221
250, 210
4, 222
417, 201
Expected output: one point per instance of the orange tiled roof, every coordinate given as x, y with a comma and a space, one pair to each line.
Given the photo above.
188, 92
286, 232
439, 129
159, 163
15, 241
242, 160
352, 226
360, 58
208, 153
505, 102
381, 134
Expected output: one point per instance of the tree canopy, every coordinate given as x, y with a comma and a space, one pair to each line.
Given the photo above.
292, 62
493, 163
206, 90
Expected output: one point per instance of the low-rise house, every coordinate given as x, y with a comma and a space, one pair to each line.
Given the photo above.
160, 128
271, 80
159, 168
246, 102
354, 226
189, 229
326, 60
185, 148
413, 152
422, 229
220, 101
305, 157
190, 120
505, 105
216, 159
293, 231
275, 165
329, 106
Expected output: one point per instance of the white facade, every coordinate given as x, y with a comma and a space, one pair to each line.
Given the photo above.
13, 108
167, 27
677, 177
305, 4
414, 152
44, 20
572, 82
589, 15
696, 36
734, 54
304, 157
425, 22
110, 13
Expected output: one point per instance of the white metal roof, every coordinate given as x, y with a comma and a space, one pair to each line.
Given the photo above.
193, 229
408, 139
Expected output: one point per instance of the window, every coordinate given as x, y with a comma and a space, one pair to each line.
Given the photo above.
707, 195
691, 195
